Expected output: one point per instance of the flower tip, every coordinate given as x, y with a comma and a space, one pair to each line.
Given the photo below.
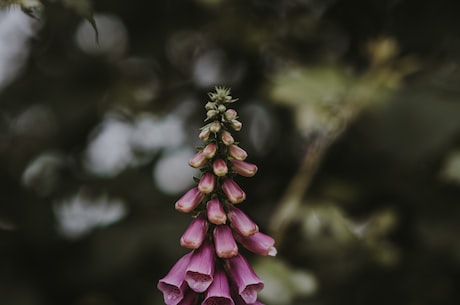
272, 251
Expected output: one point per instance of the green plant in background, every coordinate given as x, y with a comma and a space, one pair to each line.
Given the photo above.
215, 272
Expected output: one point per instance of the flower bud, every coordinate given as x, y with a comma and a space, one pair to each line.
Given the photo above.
195, 233
233, 191
224, 242
227, 138
215, 211
240, 222
211, 113
198, 160
210, 150
220, 168
189, 201
221, 108
236, 125
214, 127
207, 183
204, 134
237, 152
244, 168
230, 115
210, 106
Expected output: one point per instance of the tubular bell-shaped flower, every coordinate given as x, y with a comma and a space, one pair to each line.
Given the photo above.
224, 242
258, 243
245, 279
227, 138
237, 152
200, 270
198, 160
241, 222
173, 284
244, 168
215, 212
233, 191
195, 233
189, 201
219, 291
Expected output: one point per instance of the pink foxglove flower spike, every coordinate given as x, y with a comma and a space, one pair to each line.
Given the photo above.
214, 272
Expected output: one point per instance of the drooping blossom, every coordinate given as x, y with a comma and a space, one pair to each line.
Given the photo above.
237, 152
215, 212
244, 277
195, 233
224, 242
241, 222
173, 284
219, 291
233, 191
189, 201
243, 168
198, 160
258, 243
200, 270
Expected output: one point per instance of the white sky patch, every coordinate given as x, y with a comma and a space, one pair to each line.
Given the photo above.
109, 152
172, 174
15, 30
81, 214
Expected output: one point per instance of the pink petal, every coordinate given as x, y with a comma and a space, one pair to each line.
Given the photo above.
241, 222
233, 191
215, 211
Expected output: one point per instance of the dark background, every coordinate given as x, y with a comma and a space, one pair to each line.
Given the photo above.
350, 109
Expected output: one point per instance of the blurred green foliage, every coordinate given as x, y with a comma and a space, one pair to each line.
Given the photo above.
349, 108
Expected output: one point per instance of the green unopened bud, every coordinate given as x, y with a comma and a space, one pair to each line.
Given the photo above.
236, 125
210, 106
211, 113
230, 115
221, 108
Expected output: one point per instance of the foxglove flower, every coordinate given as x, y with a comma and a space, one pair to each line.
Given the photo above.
245, 279
215, 273
219, 291
207, 183
220, 168
189, 201
233, 191
195, 233
237, 152
224, 242
241, 222
173, 284
258, 243
215, 212
244, 168
200, 270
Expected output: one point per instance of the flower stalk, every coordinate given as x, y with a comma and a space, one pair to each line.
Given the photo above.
215, 272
